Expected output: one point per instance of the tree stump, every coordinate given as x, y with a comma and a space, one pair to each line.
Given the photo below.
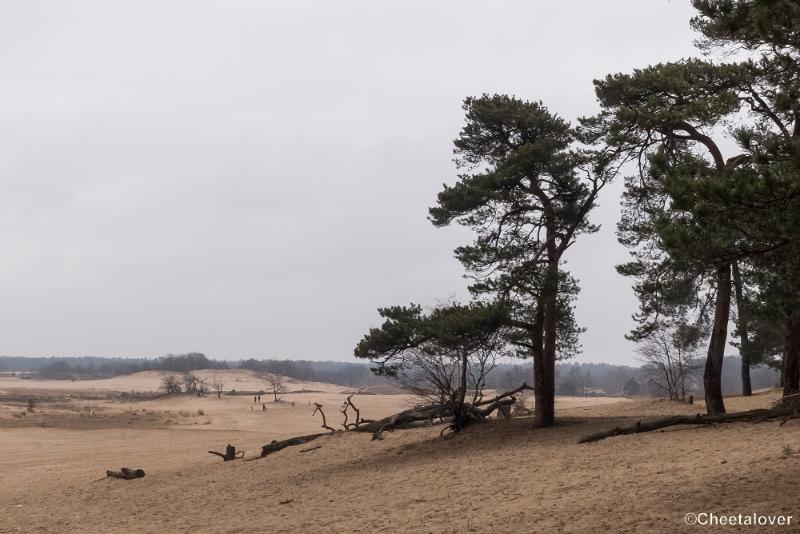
230, 453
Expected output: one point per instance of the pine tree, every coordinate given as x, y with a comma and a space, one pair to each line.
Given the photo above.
526, 191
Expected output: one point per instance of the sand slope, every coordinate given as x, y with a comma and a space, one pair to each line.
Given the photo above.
498, 477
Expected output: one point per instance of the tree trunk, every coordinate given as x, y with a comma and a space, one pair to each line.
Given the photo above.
461, 394
783, 362
791, 355
545, 387
712, 377
539, 372
744, 353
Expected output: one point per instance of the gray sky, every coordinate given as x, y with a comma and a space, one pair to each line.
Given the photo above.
252, 178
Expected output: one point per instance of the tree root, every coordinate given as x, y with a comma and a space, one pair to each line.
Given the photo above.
753, 416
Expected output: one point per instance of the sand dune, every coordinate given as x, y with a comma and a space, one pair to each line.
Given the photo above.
498, 477
150, 381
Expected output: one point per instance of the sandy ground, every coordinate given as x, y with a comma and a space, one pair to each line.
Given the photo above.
503, 476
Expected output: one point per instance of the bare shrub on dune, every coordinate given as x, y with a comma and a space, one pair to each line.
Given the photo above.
217, 384
276, 386
190, 382
668, 358
170, 385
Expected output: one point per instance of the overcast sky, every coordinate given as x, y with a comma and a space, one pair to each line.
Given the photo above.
252, 178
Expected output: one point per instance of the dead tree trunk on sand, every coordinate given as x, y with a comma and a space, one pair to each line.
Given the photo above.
276, 446
476, 412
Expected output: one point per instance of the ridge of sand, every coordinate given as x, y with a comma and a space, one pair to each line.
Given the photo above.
150, 381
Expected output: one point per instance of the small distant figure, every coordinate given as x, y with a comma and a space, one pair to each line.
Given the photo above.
255, 399
691, 399
252, 409
292, 404
263, 406
259, 398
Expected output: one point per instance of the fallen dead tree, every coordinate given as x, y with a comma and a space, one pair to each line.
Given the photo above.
472, 413
405, 419
782, 410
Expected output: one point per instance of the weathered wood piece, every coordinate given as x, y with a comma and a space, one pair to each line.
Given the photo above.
230, 453
276, 446
126, 473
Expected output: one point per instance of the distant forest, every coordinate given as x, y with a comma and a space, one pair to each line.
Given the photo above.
579, 379
346, 374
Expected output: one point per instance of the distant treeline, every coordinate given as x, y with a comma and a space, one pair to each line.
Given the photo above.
602, 379
344, 373
103, 367
571, 378
577, 379
594, 379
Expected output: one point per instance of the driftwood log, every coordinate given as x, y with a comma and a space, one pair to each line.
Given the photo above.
126, 473
276, 446
784, 411
230, 453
